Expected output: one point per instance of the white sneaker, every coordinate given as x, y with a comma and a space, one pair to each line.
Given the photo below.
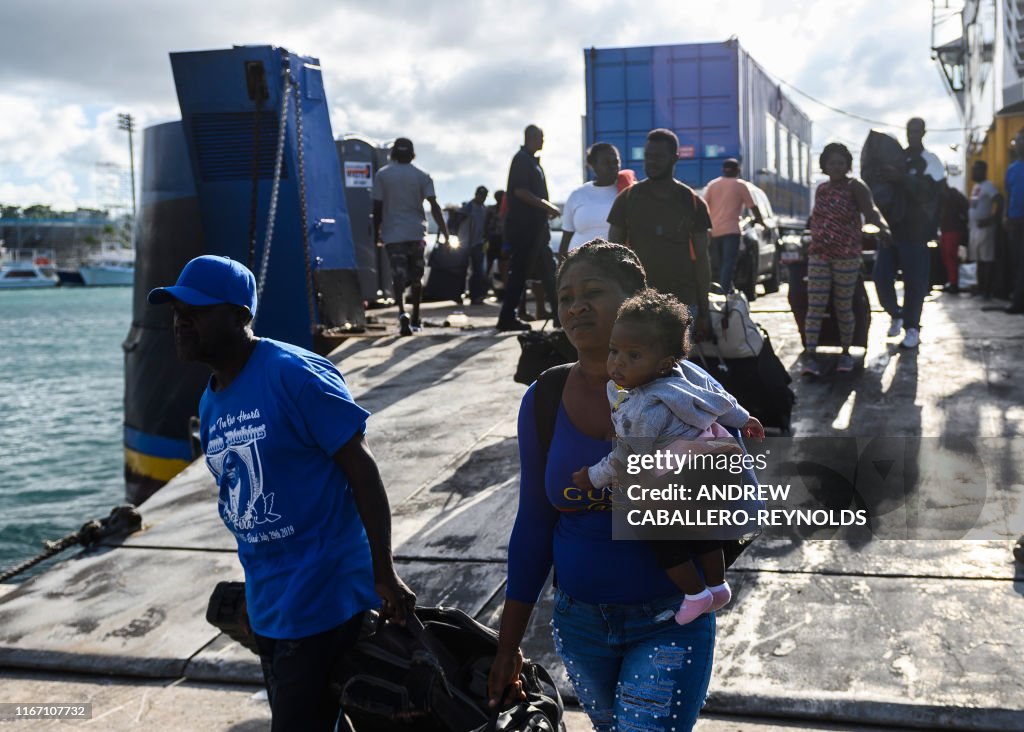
912, 339
896, 328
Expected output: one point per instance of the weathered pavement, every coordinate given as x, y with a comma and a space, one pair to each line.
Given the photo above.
899, 633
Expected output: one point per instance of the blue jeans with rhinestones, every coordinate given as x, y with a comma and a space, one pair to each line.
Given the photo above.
633, 668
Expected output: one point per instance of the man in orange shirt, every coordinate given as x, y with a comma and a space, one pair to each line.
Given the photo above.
726, 196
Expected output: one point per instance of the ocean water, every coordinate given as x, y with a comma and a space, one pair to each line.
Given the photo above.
61, 392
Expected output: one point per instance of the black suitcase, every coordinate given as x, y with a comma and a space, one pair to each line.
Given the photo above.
760, 384
443, 284
829, 326
447, 277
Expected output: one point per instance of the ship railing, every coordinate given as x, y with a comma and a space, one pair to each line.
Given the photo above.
27, 257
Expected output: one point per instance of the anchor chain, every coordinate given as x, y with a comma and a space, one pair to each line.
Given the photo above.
276, 186
301, 159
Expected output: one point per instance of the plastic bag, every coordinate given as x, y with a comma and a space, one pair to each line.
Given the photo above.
968, 275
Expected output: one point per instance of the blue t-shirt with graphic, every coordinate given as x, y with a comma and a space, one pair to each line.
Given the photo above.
269, 438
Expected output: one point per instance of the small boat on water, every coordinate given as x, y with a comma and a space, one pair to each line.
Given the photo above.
26, 268
113, 266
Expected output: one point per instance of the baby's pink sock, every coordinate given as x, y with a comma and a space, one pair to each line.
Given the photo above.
722, 594
694, 606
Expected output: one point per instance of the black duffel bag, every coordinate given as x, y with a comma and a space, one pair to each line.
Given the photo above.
431, 676
541, 712
542, 350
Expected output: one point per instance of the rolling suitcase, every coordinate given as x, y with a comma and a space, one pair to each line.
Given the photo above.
760, 383
829, 326
446, 279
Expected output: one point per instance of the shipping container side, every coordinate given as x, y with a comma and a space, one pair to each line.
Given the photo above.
689, 89
777, 140
620, 107
697, 98
716, 99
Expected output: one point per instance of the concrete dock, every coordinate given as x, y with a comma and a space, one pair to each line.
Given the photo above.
923, 630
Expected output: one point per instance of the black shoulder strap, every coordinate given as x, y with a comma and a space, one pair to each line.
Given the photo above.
546, 397
693, 205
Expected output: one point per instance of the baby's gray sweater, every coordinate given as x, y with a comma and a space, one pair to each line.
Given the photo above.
678, 406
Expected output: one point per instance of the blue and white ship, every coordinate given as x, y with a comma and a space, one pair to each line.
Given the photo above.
113, 266
26, 268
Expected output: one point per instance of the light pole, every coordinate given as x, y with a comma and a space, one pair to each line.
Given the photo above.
127, 122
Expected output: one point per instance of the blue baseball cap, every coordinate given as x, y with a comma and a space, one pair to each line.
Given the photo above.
211, 280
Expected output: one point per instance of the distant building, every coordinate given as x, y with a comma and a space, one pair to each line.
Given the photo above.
979, 46
72, 236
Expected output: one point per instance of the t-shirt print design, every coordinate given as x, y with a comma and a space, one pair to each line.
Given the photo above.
234, 458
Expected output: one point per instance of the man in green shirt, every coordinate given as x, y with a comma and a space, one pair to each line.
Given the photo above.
666, 223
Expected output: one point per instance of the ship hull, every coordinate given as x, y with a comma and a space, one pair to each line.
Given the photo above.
93, 276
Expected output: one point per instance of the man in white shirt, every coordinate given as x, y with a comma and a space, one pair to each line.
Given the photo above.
983, 216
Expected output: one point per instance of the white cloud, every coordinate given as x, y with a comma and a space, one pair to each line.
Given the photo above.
59, 191
460, 79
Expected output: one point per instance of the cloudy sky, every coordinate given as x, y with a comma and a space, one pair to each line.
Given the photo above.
460, 78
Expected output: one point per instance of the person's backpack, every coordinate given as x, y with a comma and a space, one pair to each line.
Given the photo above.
431, 675
547, 395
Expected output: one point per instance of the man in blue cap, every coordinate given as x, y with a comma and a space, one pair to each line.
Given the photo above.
299, 489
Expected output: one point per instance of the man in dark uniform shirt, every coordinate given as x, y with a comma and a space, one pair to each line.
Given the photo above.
526, 225
666, 223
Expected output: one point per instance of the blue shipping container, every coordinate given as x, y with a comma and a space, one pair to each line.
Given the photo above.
718, 101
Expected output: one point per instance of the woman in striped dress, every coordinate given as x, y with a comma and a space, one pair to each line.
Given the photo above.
834, 255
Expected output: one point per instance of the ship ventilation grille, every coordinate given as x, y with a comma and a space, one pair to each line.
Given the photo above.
224, 145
